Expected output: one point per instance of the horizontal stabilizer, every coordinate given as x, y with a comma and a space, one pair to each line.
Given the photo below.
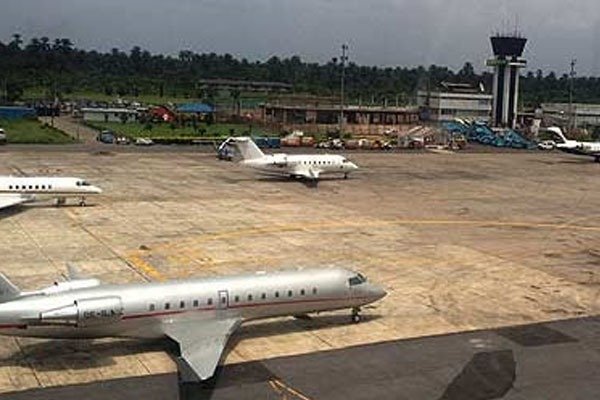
8, 290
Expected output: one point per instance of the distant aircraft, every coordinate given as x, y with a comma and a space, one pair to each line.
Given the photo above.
17, 190
198, 314
590, 149
310, 166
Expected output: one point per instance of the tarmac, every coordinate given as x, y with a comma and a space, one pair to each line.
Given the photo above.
462, 243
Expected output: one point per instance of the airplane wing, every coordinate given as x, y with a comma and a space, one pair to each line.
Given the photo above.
9, 200
201, 343
306, 172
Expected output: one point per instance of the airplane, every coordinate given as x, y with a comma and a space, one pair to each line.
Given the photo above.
590, 149
309, 166
18, 190
198, 314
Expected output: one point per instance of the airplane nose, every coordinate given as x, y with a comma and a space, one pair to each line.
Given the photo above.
354, 166
378, 292
96, 189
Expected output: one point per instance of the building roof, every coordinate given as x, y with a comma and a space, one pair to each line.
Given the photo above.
196, 108
109, 110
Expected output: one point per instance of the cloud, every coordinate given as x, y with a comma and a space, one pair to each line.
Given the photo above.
380, 32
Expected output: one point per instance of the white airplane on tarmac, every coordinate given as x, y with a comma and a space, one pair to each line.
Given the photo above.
310, 166
198, 314
17, 190
590, 149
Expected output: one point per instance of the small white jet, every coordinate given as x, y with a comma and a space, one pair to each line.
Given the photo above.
310, 166
198, 314
18, 190
590, 149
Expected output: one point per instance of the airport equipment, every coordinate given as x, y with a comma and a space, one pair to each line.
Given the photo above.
198, 314
482, 133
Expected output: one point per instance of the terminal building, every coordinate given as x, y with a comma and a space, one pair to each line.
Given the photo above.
455, 101
578, 115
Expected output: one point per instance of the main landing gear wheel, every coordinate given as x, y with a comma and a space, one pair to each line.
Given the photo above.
60, 201
356, 318
345, 176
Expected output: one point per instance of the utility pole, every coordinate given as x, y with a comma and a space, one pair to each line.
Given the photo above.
343, 77
571, 81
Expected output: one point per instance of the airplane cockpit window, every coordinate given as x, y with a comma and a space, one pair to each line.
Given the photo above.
83, 183
357, 280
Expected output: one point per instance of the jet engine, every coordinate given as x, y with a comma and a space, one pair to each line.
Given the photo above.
280, 160
70, 285
85, 312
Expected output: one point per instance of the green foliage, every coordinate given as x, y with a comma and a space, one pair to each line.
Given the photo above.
31, 131
48, 68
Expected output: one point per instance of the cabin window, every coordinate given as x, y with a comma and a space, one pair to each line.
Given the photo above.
314, 291
37, 187
263, 296
249, 297
49, 186
167, 306
195, 303
43, 187
302, 292
151, 307
182, 304
290, 293
209, 301
236, 299
10, 187
276, 294
30, 187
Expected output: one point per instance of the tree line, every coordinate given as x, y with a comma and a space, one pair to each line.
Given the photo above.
57, 68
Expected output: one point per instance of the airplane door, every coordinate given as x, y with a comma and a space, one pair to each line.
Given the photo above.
223, 300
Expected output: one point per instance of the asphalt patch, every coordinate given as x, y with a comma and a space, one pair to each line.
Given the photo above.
534, 335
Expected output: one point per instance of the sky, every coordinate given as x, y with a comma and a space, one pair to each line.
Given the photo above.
378, 32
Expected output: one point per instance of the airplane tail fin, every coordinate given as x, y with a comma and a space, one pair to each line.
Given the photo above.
247, 148
8, 290
557, 131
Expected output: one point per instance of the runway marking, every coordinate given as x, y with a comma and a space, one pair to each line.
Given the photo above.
281, 388
298, 227
144, 268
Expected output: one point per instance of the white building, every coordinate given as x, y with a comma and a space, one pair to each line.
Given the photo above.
583, 115
447, 106
109, 114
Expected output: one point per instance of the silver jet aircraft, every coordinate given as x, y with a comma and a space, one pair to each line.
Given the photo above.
590, 149
198, 314
310, 166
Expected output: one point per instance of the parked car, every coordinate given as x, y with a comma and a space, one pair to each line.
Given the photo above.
2, 136
143, 142
122, 140
106, 136
546, 145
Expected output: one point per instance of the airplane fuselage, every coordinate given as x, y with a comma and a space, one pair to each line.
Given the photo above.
142, 310
57, 186
287, 164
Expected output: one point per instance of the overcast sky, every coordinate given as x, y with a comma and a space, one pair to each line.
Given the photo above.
379, 32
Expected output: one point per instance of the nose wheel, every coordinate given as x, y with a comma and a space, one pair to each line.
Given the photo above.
346, 175
355, 316
82, 202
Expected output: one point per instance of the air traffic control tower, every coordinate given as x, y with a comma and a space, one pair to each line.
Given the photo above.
507, 61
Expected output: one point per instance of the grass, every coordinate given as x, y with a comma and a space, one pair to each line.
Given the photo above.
164, 130
31, 131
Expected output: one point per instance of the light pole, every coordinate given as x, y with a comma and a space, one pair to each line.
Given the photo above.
343, 76
572, 77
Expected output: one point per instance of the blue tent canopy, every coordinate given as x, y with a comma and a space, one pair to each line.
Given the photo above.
202, 108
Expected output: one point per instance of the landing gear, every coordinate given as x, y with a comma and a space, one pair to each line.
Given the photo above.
345, 175
60, 201
356, 318
82, 201
597, 159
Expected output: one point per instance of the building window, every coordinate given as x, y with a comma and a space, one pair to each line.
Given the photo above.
167, 306
314, 291
302, 292
209, 301
195, 303
182, 304
290, 293
236, 299
249, 297
263, 296
151, 307
276, 294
